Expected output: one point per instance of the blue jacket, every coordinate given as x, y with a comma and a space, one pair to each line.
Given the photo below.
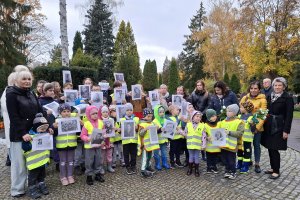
216, 103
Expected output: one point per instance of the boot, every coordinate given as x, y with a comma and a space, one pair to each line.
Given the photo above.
203, 154
89, 180
149, 169
99, 177
8, 162
146, 174
34, 192
82, 166
190, 170
239, 164
43, 188
110, 168
77, 171
165, 163
245, 168
157, 163
197, 173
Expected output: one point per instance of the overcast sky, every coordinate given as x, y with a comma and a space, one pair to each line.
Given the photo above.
159, 26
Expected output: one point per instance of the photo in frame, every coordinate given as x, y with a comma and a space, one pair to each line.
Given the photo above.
119, 77
70, 96
154, 97
109, 127
153, 135
121, 111
184, 109
128, 129
97, 98
136, 92
53, 106
169, 129
218, 137
84, 91
104, 86
67, 78
80, 108
177, 100
119, 95
124, 87
96, 137
42, 142
68, 125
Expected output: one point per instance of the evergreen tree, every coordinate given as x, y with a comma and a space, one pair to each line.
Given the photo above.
235, 84
173, 77
192, 60
77, 43
55, 56
165, 73
226, 79
150, 81
99, 39
159, 79
84, 60
126, 57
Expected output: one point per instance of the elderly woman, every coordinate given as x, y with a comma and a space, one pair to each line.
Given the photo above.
278, 124
22, 106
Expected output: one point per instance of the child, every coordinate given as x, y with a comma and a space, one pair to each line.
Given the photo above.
111, 100
92, 151
106, 146
212, 152
66, 145
244, 152
36, 160
130, 145
159, 120
194, 131
145, 146
175, 145
117, 140
234, 128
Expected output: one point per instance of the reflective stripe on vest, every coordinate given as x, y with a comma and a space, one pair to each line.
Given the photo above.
231, 142
145, 141
161, 139
35, 159
131, 140
194, 136
67, 140
176, 136
209, 146
89, 127
248, 135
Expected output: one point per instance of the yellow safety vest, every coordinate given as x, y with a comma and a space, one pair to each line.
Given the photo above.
89, 127
112, 97
209, 146
161, 139
232, 125
194, 136
145, 141
177, 135
117, 135
66, 140
248, 135
131, 140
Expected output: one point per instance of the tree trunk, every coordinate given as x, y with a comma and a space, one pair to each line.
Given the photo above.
64, 33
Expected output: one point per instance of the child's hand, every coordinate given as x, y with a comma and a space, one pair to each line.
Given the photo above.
178, 128
209, 139
157, 127
27, 138
51, 131
124, 101
89, 139
55, 125
227, 132
49, 112
81, 123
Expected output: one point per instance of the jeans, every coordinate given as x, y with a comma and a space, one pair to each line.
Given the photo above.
162, 150
230, 160
256, 144
92, 161
66, 163
194, 156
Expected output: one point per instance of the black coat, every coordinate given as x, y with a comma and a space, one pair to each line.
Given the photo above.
200, 100
216, 103
279, 120
22, 106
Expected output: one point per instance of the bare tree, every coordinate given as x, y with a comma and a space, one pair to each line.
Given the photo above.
64, 33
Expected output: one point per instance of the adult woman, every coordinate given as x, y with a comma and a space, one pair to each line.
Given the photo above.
222, 97
278, 124
259, 101
181, 91
22, 106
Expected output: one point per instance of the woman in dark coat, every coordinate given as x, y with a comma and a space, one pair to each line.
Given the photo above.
278, 124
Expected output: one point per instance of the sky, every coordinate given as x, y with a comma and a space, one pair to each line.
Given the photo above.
159, 26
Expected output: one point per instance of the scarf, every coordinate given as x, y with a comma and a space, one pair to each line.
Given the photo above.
275, 96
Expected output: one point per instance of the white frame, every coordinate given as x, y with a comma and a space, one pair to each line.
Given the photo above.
184, 109
112, 133
153, 134
215, 142
43, 136
66, 92
119, 74
101, 98
153, 103
118, 107
80, 90
181, 100
95, 132
53, 106
118, 100
66, 72
123, 124
124, 87
104, 86
132, 91
81, 108
169, 134
64, 120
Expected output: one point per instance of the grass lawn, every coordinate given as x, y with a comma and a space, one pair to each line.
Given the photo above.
296, 115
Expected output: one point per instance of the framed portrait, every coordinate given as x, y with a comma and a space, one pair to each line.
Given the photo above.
53, 107
68, 125
104, 86
70, 96
80, 108
67, 78
218, 137
184, 109
119, 77
121, 111
84, 91
169, 129
136, 92
177, 100
154, 97
127, 129
96, 137
42, 142
124, 87
109, 127
97, 99
153, 135
119, 95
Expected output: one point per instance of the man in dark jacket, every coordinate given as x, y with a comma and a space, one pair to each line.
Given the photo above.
268, 89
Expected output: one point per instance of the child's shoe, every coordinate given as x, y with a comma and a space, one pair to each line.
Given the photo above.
43, 188
146, 174
89, 180
71, 180
110, 168
239, 164
165, 163
190, 170
209, 171
245, 168
64, 181
99, 177
149, 169
114, 165
128, 170
133, 170
197, 173
227, 174
102, 171
78, 171
34, 192
179, 164
215, 170
232, 176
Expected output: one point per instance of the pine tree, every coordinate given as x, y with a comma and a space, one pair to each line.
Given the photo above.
192, 60
99, 39
150, 76
126, 57
173, 77
84, 60
55, 56
159, 79
77, 43
235, 84
226, 79
165, 73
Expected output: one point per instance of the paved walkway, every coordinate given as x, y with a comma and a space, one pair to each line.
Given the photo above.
294, 138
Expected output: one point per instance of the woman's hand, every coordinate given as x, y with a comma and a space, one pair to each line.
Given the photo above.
55, 125
27, 138
285, 135
49, 112
51, 132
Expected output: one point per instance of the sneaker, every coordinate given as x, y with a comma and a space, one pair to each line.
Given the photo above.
99, 177
227, 174
114, 165
129, 171
34, 192
64, 181
71, 180
257, 169
179, 164
123, 164
77, 171
43, 188
146, 174
209, 171
149, 169
133, 169
215, 171
232, 176
173, 166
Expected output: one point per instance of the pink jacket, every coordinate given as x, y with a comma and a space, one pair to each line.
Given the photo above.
106, 144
